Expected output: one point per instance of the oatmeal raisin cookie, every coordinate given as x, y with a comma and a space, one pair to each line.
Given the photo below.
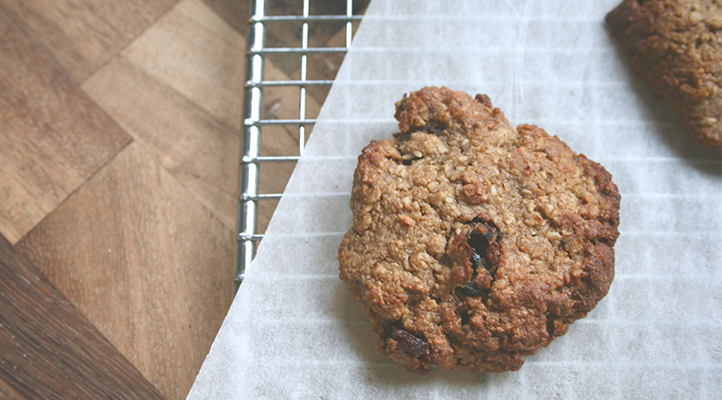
474, 243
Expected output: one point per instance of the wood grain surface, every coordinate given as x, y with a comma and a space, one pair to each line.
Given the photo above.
193, 51
49, 349
200, 151
84, 34
120, 135
134, 239
52, 137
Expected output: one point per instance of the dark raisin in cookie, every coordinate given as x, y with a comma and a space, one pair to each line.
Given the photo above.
676, 47
473, 243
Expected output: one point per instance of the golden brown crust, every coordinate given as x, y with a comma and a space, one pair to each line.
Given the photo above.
473, 243
676, 47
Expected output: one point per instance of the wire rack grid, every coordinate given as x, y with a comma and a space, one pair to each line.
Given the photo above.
256, 122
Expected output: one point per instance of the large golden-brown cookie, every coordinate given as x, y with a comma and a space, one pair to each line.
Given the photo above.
676, 47
474, 243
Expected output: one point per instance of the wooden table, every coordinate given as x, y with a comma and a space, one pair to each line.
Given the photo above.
120, 129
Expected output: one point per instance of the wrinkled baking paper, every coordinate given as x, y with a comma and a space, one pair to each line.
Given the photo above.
295, 330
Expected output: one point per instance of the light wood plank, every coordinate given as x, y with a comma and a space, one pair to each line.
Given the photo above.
52, 137
49, 350
83, 34
145, 262
202, 153
194, 51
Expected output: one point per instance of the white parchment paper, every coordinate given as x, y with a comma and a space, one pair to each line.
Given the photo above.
294, 329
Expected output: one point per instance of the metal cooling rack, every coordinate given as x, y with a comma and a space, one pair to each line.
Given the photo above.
255, 121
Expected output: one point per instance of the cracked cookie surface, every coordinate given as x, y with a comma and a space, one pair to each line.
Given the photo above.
676, 47
474, 243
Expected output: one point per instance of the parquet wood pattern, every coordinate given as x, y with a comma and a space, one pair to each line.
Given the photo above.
120, 127
50, 350
201, 152
145, 261
193, 51
84, 34
52, 136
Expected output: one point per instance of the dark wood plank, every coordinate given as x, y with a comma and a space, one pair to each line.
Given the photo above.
7, 392
52, 136
48, 350
145, 262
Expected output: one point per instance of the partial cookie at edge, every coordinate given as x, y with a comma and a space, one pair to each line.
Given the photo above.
676, 47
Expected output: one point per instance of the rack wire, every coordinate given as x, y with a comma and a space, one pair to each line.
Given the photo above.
256, 124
